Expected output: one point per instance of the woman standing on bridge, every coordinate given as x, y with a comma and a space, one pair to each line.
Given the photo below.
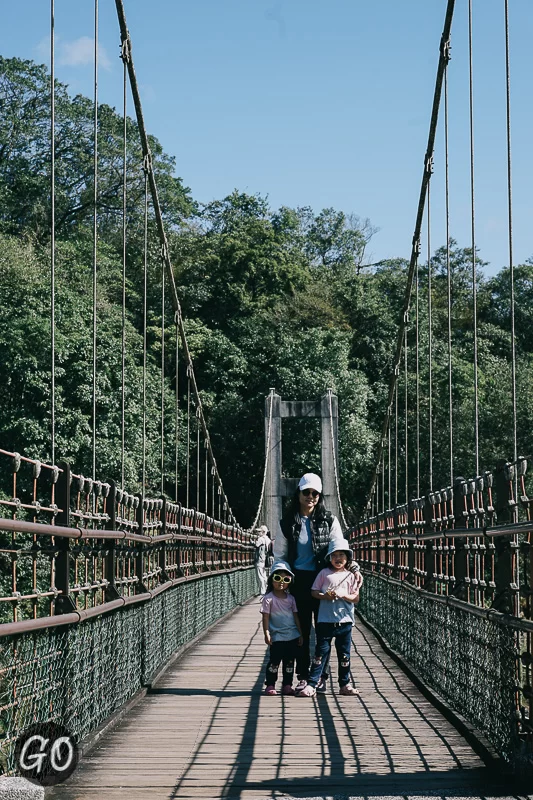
306, 531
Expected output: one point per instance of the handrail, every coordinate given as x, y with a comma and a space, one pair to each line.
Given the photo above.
74, 617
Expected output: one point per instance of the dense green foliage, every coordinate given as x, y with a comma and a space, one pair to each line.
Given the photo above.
270, 298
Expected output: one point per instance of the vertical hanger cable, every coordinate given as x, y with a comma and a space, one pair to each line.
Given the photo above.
473, 228
95, 240
52, 233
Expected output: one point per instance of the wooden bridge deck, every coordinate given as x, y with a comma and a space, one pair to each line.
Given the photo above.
206, 731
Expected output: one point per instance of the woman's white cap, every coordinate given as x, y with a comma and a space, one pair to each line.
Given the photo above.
339, 544
310, 481
281, 565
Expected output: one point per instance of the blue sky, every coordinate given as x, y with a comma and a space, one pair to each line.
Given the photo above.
314, 103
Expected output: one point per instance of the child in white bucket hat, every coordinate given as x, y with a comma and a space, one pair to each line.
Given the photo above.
281, 628
338, 590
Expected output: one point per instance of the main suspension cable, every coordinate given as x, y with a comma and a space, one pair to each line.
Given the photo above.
416, 236
161, 231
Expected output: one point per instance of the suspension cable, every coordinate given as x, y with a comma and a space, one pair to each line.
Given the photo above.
335, 461
197, 458
177, 419
160, 226
430, 338
417, 358
406, 402
516, 560
416, 236
265, 471
124, 56
472, 199
145, 324
389, 469
396, 443
52, 231
206, 487
510, 229
188, 483
162, 378
382, 481
448, 261
95, 239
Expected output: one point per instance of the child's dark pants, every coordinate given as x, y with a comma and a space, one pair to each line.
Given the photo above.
281, 652
325, 632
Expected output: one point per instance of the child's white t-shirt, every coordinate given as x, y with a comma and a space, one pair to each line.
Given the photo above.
281, 624
344, 583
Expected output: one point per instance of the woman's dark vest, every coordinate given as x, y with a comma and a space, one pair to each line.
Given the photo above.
320, 528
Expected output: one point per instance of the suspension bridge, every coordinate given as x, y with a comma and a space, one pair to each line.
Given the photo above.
129, 611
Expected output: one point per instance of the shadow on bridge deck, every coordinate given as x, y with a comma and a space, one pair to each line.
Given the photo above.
206, 731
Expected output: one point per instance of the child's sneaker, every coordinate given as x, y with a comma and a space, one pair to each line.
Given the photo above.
307, 691
287, 689
299, 686
349, 690
270, 690
322, 686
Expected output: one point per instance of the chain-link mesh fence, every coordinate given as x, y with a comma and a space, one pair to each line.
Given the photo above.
469, 658
77, 675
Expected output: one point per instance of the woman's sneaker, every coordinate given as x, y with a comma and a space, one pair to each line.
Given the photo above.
349, 690
322, 686
299, 686
287, 689
270, 690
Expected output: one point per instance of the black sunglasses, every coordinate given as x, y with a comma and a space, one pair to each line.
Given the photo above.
311, 492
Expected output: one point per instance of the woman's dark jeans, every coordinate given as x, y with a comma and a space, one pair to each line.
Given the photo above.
325, 632
281, 652
307, 610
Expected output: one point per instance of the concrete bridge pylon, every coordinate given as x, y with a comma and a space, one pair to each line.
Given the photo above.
278, 487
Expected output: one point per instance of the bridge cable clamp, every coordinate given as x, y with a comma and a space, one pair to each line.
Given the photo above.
147, 163
445, 49
125, 50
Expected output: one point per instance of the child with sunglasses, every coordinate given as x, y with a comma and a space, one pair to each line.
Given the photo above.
281, 627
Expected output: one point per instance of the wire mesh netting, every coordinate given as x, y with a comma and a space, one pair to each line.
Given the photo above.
469, 659
78, 675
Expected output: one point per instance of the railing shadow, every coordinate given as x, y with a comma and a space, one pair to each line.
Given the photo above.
341, 773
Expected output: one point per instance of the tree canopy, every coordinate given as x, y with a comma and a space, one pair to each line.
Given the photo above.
271, 298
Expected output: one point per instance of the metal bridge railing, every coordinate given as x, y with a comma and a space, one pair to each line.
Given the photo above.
449, 583
99, 587
69, 543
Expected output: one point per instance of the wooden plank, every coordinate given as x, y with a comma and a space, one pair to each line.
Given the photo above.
206, 731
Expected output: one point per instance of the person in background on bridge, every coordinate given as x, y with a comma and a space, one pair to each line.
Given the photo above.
307, 529
263, 550
281, 627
